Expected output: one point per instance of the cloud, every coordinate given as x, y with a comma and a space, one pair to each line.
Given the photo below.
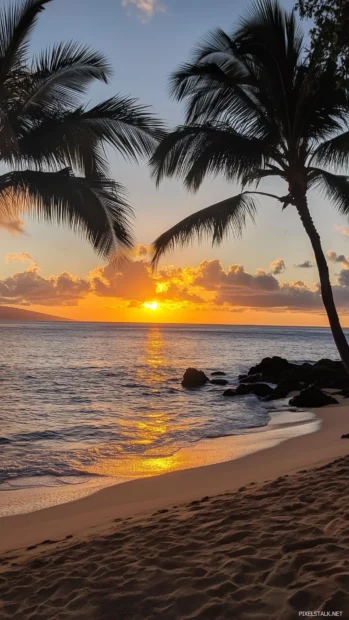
306, 265
337, 258
131, 281
13, 226
343, 230
212, 276
29, 287
237, 287
142, 252
22, 257
145, 8
206, 286
277, 266
343, 278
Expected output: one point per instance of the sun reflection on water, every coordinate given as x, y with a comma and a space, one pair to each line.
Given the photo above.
151, 425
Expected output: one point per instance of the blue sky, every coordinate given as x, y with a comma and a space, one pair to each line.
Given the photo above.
144, 47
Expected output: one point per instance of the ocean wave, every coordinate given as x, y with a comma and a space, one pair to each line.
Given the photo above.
45, 480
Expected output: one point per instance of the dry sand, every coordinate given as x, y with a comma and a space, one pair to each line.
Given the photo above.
192, 544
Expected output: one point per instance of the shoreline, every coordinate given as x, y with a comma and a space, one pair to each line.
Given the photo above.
98, 510
283, 424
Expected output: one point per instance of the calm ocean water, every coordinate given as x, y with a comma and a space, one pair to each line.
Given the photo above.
82, 400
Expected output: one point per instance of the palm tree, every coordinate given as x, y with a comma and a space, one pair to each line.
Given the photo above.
255, 109
53, 146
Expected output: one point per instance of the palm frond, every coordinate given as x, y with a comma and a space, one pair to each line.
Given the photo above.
270, 35
94, 207
220, 91
334, 186
246, 79
220, 84
61, 74
129, 127
255, 175
215, 221
333, 152
78, 138
16, 25
194, 151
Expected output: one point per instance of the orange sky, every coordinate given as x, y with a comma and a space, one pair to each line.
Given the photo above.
207, 292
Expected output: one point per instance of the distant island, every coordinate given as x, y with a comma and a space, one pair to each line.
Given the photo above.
17, 314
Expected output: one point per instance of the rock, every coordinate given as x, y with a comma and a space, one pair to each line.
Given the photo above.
258, 389
218, 373
257, 378
344, 393
340, 382
312, 397
283, 389
272, 369
325, 373
219, 381
194, 378
327, 363
325, 377
299, 372
230, 392
345, 436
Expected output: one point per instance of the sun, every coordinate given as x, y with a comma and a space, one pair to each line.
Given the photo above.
151, 305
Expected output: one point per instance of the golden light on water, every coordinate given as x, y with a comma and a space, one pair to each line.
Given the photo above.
150, 427
151, 305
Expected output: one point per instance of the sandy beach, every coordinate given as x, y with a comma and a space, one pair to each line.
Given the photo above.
263, 536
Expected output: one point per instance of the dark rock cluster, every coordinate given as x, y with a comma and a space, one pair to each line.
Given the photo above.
325, 373
307, 379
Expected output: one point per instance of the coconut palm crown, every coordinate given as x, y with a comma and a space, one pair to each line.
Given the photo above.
256, 109
54, 146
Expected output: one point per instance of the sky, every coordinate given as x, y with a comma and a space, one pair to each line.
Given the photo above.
267, 277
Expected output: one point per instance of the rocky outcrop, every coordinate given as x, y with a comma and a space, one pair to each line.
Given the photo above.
307, 379
258, 389
284, 388
194, 378
256, 378
312, 397
325, 373
272, 369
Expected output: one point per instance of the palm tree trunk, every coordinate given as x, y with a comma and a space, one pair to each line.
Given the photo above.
326, 289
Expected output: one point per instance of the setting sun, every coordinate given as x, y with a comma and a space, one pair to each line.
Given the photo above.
151, 305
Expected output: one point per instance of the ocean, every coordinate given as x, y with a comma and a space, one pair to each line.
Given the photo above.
102, 403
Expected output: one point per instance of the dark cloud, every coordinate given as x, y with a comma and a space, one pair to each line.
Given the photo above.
343, 278
337, 258
306, 265
211, 276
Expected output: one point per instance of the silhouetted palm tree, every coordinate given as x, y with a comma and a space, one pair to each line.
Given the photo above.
54, 146
254, 110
